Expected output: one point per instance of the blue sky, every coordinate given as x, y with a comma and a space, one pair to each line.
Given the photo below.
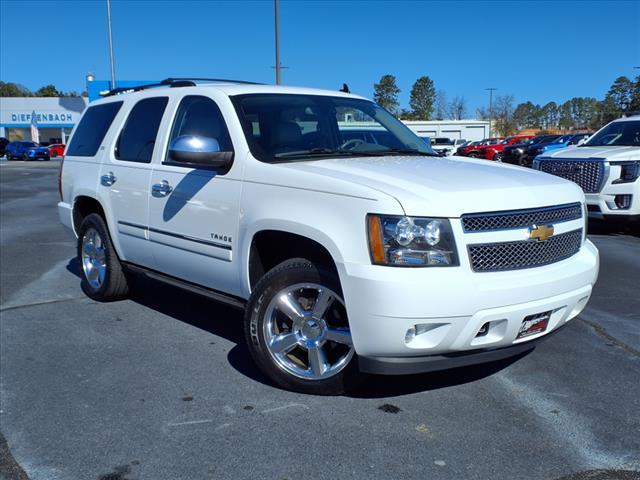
538, 51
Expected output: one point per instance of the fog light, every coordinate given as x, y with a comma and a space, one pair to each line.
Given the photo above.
410, 335
484, 329
623, 202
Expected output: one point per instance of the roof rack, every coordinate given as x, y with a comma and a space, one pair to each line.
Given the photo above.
172, 83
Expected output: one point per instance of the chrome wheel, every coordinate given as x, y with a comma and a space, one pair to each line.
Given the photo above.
306, 331
94, 261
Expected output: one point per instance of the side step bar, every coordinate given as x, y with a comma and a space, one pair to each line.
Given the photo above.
184, 285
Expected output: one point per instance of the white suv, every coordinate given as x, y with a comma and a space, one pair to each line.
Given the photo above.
346, 256
607, 167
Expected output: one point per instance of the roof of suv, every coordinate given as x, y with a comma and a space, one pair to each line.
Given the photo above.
232, 89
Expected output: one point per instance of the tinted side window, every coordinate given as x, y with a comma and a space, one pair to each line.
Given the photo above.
92, 129
200, 116
138, 136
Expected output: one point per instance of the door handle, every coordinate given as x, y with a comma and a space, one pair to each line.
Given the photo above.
108, 179
161, 189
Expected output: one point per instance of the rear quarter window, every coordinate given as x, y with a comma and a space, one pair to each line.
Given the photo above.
91, 130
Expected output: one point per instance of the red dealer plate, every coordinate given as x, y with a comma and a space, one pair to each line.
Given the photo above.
533, 324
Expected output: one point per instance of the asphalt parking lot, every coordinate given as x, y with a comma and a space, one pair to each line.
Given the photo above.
161, 386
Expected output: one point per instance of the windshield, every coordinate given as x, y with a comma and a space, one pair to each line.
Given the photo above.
442, 141
617, 134
564, 139
283, 127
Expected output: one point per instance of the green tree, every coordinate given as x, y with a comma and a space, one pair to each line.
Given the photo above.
423, 96
527, 115
8, 89
565, 118
584, 112
48, 91
635, 96
549, 115
385, 93
620, 95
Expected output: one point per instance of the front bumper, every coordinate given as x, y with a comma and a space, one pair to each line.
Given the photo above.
603, 205
449, 306
433, 363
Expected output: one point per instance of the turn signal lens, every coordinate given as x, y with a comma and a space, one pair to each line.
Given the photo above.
376, 245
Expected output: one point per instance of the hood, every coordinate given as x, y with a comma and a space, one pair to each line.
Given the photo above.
606, 152
448, 186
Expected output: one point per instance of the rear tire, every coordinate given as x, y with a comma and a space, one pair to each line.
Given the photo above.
473, 155
297, 330
103, 278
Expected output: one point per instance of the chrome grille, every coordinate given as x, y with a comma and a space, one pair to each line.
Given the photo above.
497, 257
482, 222
586, 173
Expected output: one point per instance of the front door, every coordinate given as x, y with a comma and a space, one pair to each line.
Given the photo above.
193, 212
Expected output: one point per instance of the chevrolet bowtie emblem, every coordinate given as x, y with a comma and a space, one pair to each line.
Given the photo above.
540, 232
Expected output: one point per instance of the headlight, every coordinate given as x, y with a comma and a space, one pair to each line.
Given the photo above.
629, 171
411, 241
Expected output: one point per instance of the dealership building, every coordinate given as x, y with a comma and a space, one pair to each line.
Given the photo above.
54, 117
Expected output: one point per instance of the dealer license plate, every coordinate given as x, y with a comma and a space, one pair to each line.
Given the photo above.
533, 324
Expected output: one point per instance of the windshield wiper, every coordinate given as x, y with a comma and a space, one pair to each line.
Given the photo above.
408, 151
320, 152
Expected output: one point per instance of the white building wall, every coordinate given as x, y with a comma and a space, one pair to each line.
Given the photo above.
466, 129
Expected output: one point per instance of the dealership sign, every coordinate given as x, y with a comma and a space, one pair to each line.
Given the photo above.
42, 117
46, 111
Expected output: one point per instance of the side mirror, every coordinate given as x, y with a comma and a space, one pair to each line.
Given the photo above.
198, 152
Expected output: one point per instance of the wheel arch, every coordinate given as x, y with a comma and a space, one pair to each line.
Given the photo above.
270, 244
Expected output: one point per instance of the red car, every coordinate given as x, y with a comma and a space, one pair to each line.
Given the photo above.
56, 150
494, 152
473, 149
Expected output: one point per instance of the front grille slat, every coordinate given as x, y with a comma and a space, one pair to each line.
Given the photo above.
588, 174
496, 257
483, 222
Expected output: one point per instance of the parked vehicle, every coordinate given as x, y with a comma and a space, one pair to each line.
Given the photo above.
515, 154
26, 151
561, 142
3, 146
474, 150
372, 135
607, 168
494, 152
446, 147
467, 147
346, 256
56, 150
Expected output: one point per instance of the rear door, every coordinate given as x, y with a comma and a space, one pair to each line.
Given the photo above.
125, 175
193, 212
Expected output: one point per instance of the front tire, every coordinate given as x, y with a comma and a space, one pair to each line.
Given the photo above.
297, 329
103, 278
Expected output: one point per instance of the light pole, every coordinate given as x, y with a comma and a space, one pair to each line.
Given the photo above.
113, 67
276, 15
491, 90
